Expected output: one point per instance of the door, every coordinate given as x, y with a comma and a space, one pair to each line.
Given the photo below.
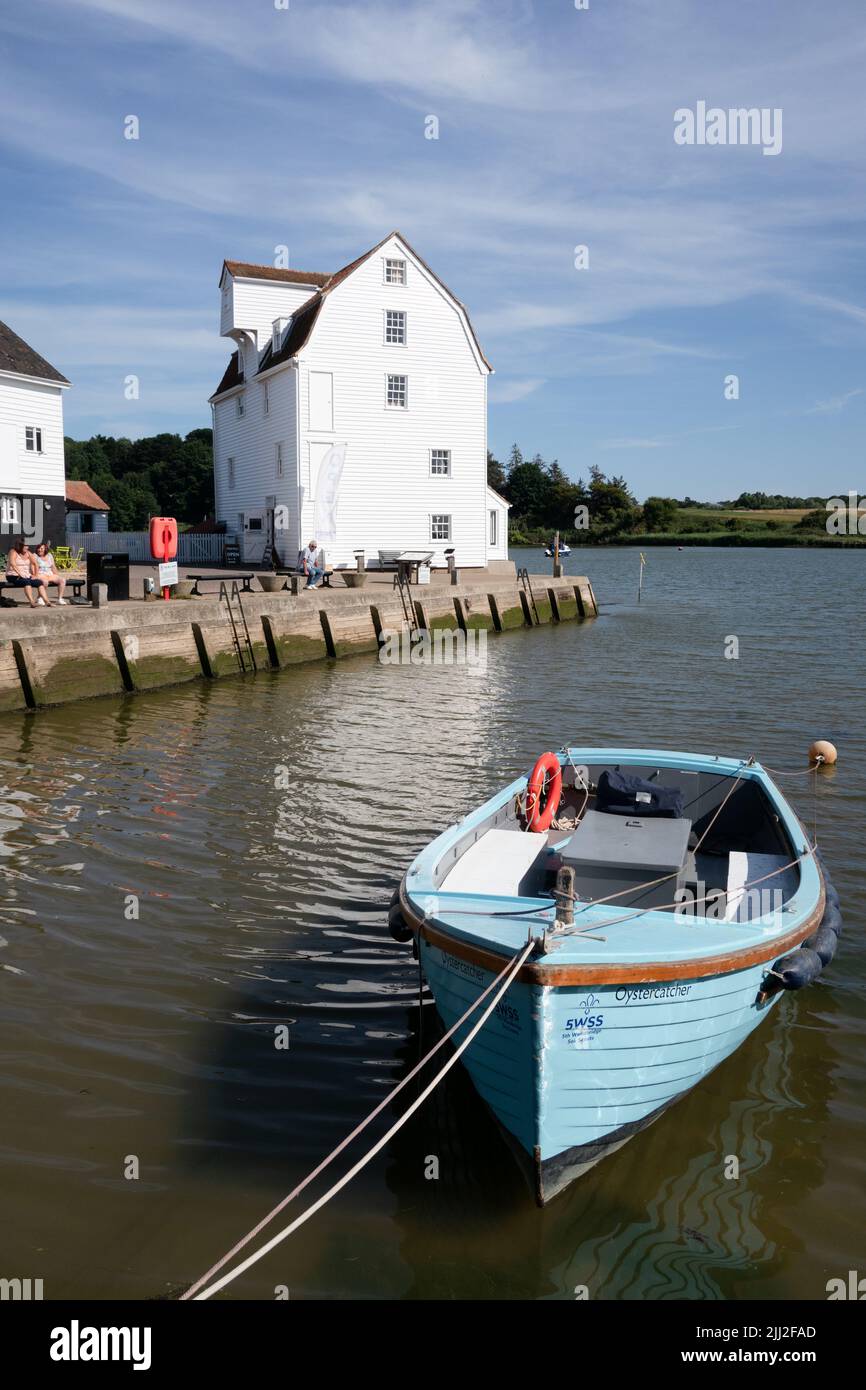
253, 537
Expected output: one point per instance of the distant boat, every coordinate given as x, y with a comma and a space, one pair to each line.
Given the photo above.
625, 1007
563, 549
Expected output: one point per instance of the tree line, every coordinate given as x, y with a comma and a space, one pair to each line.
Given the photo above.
161, 475
544, 498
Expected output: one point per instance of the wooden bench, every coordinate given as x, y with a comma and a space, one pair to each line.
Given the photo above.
298, 573
245, 579
76, 585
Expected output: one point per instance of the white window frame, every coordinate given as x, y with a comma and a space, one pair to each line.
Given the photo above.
387, 263
438, 472
403, 323
436, 521
494, 526
266, 399
279, 461
396, 376
33, 439
240, 406
230, 471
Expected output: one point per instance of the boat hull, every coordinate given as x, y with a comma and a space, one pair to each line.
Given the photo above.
572, 1073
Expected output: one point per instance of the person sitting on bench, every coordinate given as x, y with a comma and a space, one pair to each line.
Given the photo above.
314, 565
47, 569
20, 573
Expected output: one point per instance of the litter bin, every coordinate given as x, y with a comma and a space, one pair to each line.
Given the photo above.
111, 570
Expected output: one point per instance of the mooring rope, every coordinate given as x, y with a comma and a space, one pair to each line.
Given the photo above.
506, 976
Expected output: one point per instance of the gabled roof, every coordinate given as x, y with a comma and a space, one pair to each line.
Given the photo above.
304, 318
81, 495
16, 356
499, 495
244, 270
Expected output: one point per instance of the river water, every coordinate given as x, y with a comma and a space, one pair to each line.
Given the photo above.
185, 872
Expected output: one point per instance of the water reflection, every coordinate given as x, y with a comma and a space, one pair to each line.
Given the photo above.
262, 824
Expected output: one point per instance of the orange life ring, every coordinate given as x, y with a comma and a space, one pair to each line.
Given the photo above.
545, 781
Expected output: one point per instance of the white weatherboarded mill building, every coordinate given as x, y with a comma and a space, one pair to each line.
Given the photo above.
354, 411
32, 470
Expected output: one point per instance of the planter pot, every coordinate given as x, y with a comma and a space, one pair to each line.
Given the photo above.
354, 579
271, 583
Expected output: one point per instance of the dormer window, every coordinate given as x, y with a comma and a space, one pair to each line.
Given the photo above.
395, 271
277, 328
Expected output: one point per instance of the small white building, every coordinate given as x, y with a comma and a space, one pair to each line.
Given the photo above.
354, 411
32, 477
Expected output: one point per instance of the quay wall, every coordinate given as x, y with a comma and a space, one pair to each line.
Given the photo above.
52, 656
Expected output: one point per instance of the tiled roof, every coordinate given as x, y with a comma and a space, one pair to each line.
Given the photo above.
82, 495
245, 271
16, 356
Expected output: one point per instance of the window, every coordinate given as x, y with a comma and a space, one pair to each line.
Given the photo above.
33, 439
239, 405
395, 326
440, 528
231, 472
397, 393
440, 462
395, 271
278, 449
493, 528
266, 400
10, 514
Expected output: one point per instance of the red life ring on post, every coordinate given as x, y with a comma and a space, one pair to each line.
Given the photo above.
543, 791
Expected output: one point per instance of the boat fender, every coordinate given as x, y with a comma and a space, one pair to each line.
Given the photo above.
833, 918
794, 971
397, 924
547, 773
824, 942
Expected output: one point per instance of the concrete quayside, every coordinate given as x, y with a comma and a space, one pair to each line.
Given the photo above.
53, 656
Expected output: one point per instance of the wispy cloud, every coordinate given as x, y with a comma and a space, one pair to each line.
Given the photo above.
506, 392
306, 126
835, 403
631, 444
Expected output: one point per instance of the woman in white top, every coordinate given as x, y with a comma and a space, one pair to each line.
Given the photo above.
47, 570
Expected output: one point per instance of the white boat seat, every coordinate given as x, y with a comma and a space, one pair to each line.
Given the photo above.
744, 903
501, 862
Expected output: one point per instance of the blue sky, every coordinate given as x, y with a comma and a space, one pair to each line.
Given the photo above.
262, 126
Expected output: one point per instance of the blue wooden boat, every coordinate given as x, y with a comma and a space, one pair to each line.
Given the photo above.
669, 897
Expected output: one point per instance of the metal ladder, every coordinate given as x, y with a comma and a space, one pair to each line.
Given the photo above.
523, 576
241, 638
406, 600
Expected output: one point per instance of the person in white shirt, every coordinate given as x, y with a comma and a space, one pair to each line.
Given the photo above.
314, 567
46, 569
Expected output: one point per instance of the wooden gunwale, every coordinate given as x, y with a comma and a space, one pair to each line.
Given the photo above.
642, 972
